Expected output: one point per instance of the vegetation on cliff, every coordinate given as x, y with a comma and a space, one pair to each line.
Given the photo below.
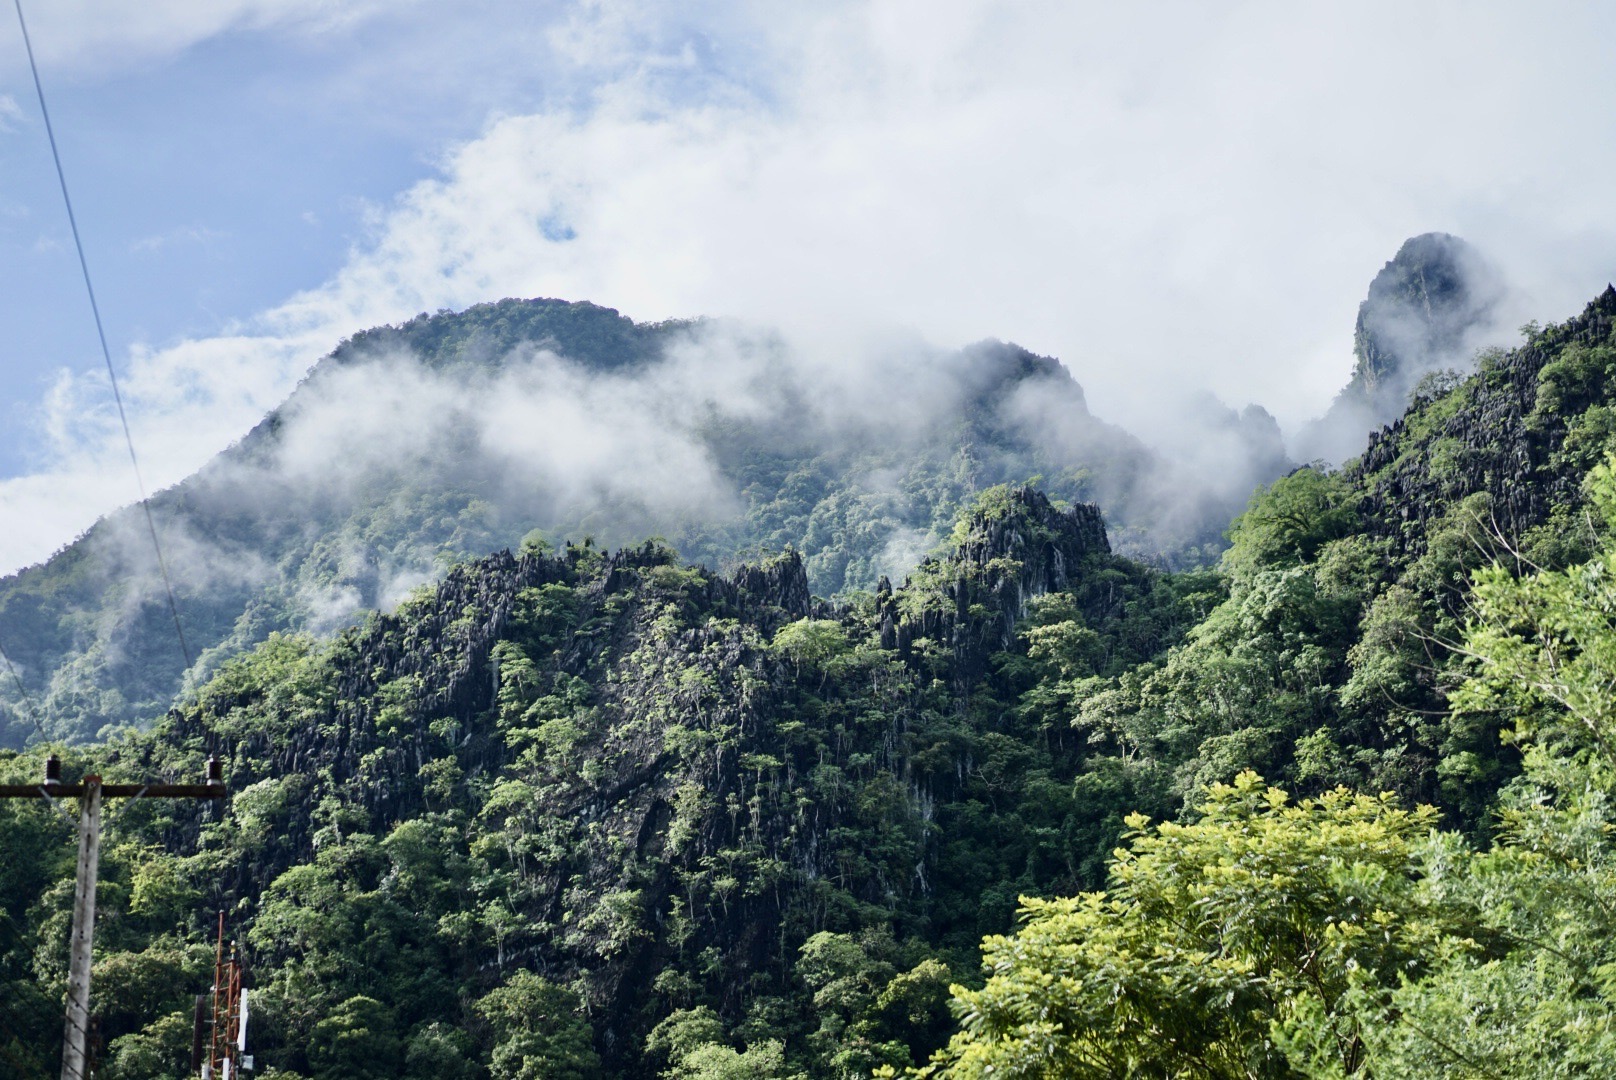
656, 802
1337, 808
1345, 935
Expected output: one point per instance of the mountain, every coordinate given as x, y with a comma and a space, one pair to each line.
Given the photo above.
571, 813
539, 421
1426, 312
670, 782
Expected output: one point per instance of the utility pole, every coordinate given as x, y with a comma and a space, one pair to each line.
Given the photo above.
76, 1050
91, 792
227, 1046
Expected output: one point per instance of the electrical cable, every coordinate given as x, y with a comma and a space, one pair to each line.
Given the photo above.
31, 1020
71, 1021
23, 1071
27, 698
106, 352
117, 397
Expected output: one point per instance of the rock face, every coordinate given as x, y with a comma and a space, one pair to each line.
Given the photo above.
1520, 434
1423, 313
658, 751
442, 652
970, 604
1420, 309
438, 657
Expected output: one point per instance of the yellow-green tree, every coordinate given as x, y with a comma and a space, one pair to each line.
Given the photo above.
1345, 936
1237, 947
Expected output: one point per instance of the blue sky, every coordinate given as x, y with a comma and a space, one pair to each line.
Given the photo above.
215, 177
1164, 196
209, 185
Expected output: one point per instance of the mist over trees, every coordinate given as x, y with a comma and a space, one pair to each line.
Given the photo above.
458, 434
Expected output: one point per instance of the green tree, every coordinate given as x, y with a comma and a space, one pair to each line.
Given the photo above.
715, 1061
161, 1050
1233, 947
439, 1052
1541, 1001
539, 1034
811, 643
358, 1040
1289, 521
869, 1011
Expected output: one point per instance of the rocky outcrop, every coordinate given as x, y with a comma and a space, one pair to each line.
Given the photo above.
779, 584
1424, 312
1012, 551
1421, 307
1494, 436
649, 773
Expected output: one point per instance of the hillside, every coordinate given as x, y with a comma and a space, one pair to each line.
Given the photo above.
583, 814
656, 786
457, 434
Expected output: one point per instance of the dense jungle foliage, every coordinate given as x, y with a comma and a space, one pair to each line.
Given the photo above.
1340, 807
664, 803
1347, 934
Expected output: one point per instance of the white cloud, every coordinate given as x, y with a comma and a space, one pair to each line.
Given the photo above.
11, 115
1205, 195
1161, 195
94, 37
185, 234
185, 404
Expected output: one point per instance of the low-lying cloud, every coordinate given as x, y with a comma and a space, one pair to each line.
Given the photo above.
384, 462
1190, 198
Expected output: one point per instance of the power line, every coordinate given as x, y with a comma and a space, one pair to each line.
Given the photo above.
27, 698
36, 1068
106, 353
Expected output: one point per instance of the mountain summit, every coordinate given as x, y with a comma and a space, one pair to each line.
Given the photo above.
1424, 312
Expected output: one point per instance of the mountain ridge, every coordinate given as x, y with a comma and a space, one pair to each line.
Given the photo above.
612, 814
456, 434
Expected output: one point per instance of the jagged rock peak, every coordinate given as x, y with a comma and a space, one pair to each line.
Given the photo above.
1015, 545
1419, 309
781, 582
1427, 310
1013, 522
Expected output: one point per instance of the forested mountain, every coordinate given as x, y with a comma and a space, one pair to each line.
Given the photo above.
571, 813
453, 435
635, 784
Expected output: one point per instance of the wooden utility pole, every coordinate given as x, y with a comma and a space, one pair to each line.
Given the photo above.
91, 792
75, 1039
